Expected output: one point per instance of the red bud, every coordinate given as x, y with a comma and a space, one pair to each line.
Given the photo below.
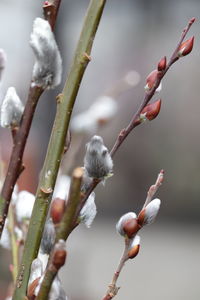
57, 210
141, 217
186, 47
151, 80
162, 64
31, 289
151, 110
133, 252
59, 258
131, 227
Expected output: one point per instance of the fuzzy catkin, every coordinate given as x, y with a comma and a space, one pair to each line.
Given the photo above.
47, 69
97, 162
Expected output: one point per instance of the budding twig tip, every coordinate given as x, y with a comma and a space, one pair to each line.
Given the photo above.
192, 21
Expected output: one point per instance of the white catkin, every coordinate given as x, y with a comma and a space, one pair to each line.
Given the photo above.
5, 237
124, 218
135, 241
36, 270
62, 186
24, 205
48, 237
89, 211
11, 109
97, 161
47, 70
151, 211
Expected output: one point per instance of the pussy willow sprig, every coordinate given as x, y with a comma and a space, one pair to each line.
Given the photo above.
15, 166
128, 226
65, 104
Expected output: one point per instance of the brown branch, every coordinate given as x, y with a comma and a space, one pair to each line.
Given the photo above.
148, 95
15, 167
50, 10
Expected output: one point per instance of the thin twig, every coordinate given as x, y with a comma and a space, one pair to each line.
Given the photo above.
14, 168
15, 165
65, 104
50, 10
153, 188
148, 95
112, 288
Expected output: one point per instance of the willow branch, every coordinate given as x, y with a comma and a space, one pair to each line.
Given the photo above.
50, 10
15, 165
63, 231
65, 104
147, 97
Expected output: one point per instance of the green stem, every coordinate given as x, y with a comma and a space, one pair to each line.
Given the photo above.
67, 221
14, 245
65, 103
63, 231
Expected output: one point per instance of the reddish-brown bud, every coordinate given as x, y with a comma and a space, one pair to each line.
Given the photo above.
186, 47
31, 289
151, 111
59, 258
151, 80
59, 255
57, 210
141, 217
131, 227
133, 252
162, 64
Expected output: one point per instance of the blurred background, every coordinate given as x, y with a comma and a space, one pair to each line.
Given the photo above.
132, 36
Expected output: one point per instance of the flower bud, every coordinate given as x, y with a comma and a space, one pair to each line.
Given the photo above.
127, 225
24, 205
134, 247
47, 70
162, 64
11, 109
31, 288
151, 110
148, 214
97, 161
131, 227
151, 80
186, 47
36, 270
57, 210
48, 237
89, 211
59, 254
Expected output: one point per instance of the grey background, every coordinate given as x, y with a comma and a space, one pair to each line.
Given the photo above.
132, 35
